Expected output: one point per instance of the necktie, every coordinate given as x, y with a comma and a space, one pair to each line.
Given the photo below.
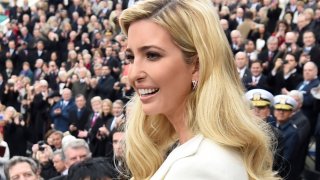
94, 119
270, 56
303, 85
79, 114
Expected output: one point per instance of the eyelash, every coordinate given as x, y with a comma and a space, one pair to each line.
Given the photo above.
130, 58
151, 56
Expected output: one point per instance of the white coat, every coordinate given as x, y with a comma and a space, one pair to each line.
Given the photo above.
201, 159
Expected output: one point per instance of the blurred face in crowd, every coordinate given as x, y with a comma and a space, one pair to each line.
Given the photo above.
22, 171
105, 70
282, 116
224, 23
56, 140
108, 51
12, 45
52, 66
117, 109
66, 94
40, 46
96, 106
241, 60
235, 37
117, 142
80, 102
58, 163
9, 65
239, 13
290, 37
249, 47
256, 69
75, 155
308, 39
272, 45
302, 22
262, 112
309, 71
291, 62
106, 107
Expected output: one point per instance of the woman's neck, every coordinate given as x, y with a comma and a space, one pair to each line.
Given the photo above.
179, 122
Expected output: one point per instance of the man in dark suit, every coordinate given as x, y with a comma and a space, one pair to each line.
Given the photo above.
284, 76
60, 111
311, 51
8, 70
105, 84
79, 115
39, 122
39, 53
303, 125
76, 6
283, 111
257, 80
268, 56
234, 23
12, 54
236, 42
310, 80
241, 61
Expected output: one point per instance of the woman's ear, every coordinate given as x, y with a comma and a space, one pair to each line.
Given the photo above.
196, 68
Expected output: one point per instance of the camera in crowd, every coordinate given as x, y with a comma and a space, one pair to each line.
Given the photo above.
41, 145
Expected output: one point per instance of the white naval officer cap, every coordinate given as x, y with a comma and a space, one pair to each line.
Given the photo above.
260, 97
284, 102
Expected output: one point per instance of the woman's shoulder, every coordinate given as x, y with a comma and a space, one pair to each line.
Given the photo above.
209, 160
219, 154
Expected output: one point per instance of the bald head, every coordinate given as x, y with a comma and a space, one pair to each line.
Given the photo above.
290, 37
310, 71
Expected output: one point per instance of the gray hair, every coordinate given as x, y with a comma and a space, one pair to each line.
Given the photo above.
75, 144
296, 93
35, 167
58, 152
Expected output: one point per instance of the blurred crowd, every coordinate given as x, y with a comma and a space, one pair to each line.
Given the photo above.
63, 73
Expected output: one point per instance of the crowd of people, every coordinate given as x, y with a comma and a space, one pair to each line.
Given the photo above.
64, 74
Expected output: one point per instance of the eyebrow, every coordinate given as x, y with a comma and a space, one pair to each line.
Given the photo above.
145, 48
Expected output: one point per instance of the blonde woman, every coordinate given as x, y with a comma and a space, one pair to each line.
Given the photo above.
188, 93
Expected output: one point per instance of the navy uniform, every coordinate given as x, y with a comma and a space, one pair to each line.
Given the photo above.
261, 99
290, 132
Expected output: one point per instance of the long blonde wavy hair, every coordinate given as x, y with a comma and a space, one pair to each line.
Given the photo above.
216, 109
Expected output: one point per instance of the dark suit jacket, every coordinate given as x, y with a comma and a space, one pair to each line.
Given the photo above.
61, 121
308, 99
264, 57
7, 76
278, 82
105, 87
314, 55
79, 122
262, 84
34, 56
72, 9
246, 75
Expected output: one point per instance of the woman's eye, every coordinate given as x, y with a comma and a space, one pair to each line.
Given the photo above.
130, 58
152, 56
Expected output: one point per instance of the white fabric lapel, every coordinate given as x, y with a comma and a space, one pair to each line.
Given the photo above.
187, 149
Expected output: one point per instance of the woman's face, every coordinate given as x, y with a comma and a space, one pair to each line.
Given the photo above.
106, 108
158, 71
